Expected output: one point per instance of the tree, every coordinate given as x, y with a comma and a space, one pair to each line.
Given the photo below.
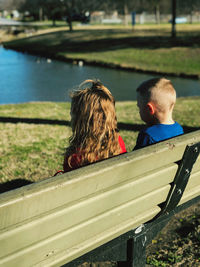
51, 9
72, 10
32, 7
188, 8
40, 9
156, 6
77, 9
10, 4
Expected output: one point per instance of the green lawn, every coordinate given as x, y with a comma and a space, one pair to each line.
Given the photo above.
32, 143
33, 149
34, 135
147, 47
179, 60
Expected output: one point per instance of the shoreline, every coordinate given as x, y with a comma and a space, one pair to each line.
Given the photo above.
126, 68
100, 63
148, 49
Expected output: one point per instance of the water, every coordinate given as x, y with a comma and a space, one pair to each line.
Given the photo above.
25, 78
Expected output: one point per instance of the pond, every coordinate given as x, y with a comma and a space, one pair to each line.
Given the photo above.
26, 78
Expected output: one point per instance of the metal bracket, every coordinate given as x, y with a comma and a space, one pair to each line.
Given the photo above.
182, 176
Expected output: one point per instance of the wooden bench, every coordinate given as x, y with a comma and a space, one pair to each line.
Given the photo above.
109, 210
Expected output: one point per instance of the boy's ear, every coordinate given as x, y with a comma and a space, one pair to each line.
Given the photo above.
151, 108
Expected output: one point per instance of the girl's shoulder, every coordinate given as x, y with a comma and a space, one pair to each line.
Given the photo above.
122, 145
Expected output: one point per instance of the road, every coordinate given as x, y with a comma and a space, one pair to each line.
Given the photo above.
10, 22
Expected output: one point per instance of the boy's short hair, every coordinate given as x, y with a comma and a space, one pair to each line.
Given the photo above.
160, 91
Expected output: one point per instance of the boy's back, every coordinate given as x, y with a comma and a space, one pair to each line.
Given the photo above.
157, 133
156, 99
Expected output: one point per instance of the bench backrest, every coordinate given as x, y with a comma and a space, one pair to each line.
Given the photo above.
54, 221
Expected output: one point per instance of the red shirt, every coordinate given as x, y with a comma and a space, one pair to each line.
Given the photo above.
76, 158
122, 145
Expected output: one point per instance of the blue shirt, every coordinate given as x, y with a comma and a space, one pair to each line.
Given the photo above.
157, 133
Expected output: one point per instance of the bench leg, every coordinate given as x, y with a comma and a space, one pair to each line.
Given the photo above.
143, 235
136, 253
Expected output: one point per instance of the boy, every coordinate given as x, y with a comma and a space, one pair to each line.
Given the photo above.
156, 99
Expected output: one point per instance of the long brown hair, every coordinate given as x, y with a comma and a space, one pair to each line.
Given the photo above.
94, 123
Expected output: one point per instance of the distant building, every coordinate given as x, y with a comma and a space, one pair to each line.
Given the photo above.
102, 17
15, 14
140, 18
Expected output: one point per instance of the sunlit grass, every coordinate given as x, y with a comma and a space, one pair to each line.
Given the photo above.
35, 151
166, 60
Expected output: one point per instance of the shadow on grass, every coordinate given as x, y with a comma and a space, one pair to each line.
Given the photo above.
139, 127
34, 121
14, 184
108, 44
121, 125
66, 42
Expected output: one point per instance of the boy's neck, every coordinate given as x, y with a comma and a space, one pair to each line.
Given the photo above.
165, 119
167, 122
162, 119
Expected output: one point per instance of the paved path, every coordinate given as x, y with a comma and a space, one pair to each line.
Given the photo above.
10, 22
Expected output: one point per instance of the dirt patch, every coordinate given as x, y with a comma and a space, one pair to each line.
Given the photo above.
178, 244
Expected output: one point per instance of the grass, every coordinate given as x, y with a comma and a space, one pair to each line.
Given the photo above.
179, 60
33, 143
33, 138
146, 48
34, 135
178, 243
32, 151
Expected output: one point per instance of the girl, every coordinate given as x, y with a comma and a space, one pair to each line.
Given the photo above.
94, 126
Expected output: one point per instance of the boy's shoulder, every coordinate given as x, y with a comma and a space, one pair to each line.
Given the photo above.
161, 126
157, 133
168, 130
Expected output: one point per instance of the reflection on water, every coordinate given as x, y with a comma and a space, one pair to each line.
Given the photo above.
27, 78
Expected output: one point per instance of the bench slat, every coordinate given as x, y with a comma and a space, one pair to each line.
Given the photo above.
119, 193
53, 192
64, 256
190, 195
76, 213
94, 226
65, 190
100, 239
196, 166
192, 189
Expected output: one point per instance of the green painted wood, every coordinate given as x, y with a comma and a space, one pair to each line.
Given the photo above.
196, 166
190, 195
66, 216
81, 232
52, 193
65, 190
193, 181
84, 247
192, 189
56, 220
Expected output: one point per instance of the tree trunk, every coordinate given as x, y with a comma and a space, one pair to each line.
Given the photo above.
191, 17
70, 25
125, 14
40, 14
54, 22
157, 14
173, 33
